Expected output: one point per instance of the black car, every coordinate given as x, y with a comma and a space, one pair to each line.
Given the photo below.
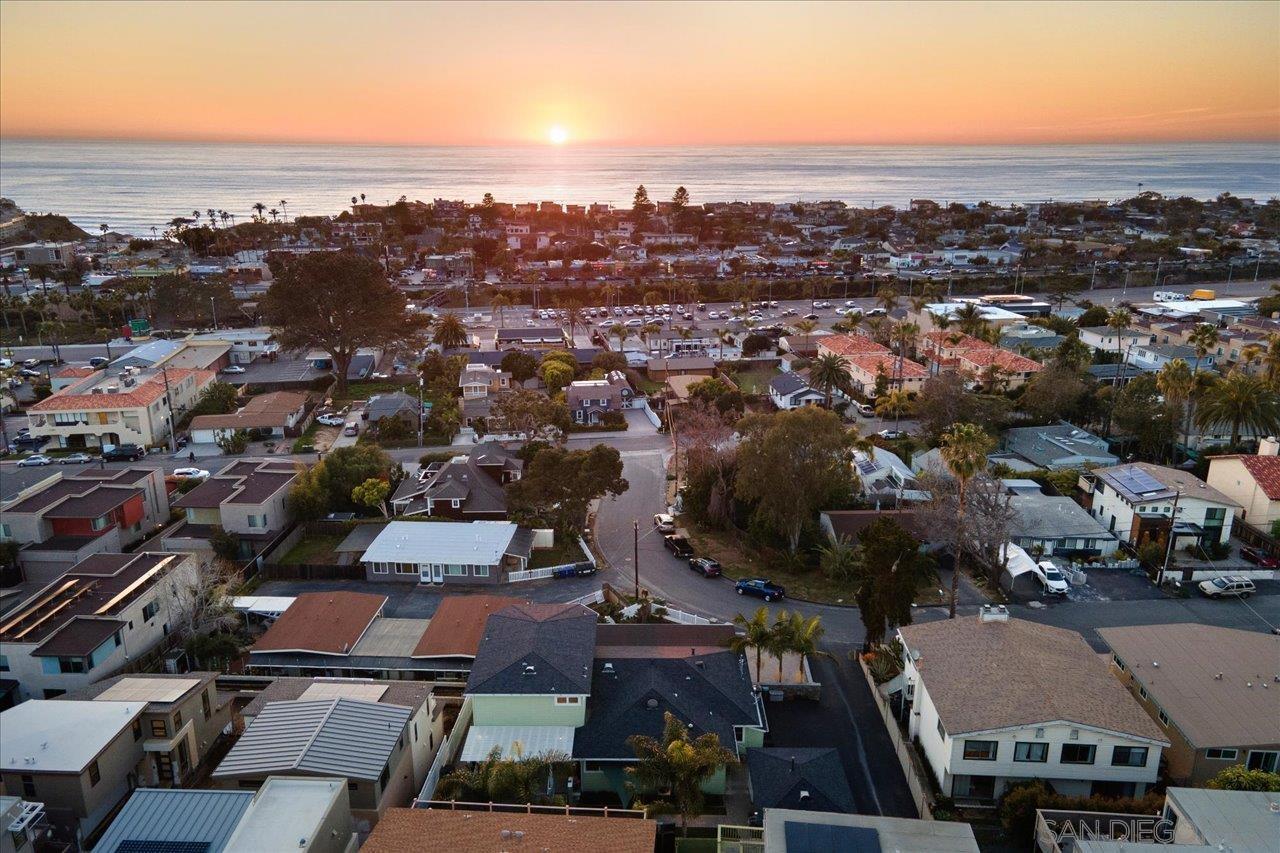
678, 545
123, 453
705, 566
759, 587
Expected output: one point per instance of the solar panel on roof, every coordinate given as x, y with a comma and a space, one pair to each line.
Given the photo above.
868, 466
1137, 481
823, 838
144, 846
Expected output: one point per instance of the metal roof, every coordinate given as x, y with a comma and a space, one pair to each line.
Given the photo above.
344, 737
175, 815
466, 543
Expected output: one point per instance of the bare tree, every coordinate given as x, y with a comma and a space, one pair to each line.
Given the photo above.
199, 604
705, 435
989, 516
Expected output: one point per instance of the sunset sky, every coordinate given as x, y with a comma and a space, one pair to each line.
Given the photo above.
641, 74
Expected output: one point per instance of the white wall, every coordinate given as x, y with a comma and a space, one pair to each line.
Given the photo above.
1107, 503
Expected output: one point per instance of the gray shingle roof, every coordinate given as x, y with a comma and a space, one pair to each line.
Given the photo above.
193, 816
1053, 517
556, 640
788, 383
781, 777
339, 737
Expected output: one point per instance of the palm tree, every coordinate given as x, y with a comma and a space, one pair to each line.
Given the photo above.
805, 327
1244, 402
621, 332
828, 372
780, 639
284, 207
258, 210
574, 316
969, 319
756, 636
678, 764
647, 330
499, 303
450, 333
104, 228
994, 377
1204, 338
839, 560
1176, 382
804, 637
274, 213
964, 450
888, 299
894, 405
354, 202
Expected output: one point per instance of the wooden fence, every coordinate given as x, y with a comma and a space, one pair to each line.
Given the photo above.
312, 572
912, 766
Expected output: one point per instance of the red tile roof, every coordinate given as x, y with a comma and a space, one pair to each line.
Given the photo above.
323, 622
144, 393
873, 363
1010, 362
73, 372
1266, 472
850, 345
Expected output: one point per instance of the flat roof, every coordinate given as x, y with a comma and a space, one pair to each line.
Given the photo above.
140, 689
516, 741
1244, 820
482, 832
286, 807
61, 735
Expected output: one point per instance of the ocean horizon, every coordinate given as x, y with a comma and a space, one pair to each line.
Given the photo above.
133, 186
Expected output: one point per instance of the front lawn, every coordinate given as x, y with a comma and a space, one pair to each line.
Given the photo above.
314, 550
565, 551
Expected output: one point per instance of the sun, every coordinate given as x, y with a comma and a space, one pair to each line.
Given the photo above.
557, 135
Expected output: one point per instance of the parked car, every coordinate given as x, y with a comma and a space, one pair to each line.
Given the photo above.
891, 434
874, 312
1231, 585
191, 474
330, 420
759, 587
34, 461
98, 361
75, 459
706, 566
351, 429
678, 545
29, 441
1052, 579
6, 363
31, 362
1253, 555
664, 522
866, 410
233, 368
28, 372
122, 452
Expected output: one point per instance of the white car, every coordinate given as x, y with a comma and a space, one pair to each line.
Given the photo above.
6, 363
191, 473
331, 420
664, 522
233, 368
1052, 579
36, 460
634, 322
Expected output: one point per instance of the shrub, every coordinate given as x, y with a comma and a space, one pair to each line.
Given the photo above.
1018, 805
1240, 778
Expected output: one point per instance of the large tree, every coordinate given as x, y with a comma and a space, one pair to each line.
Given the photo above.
1242, 402
791, 465
964, 450
889, 569
530, 414
678, 764
338, 302
558, 485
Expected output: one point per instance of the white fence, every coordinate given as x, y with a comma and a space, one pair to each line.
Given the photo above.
448, 750
678, 616
589, 599
531, 574
651, 414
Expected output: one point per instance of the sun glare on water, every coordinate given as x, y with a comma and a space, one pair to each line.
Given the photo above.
557, 135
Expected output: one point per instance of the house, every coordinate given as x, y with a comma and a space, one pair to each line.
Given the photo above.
793, 831
537, 338
1201, 684
49, 254
1156, 356
316, 812
448, 552
791, 391
798, 778
1252, 482
478, 381
998, 369
63, 519
934, 315
106, 611
129, 405
182, 721
1108, 340
276, 414
1058, 526
247, 499
468, 487
683, 341
865, 372
660, 369
1058, 446
247, 345
370, 744
883, 477
589, 400
397, 405
993, 700
848, 345
463, 831
847, 524
1136, 503
78, 758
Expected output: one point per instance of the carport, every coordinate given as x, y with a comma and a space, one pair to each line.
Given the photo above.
1020, 576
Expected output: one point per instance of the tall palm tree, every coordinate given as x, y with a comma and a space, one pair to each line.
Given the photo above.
755, 636
1205, 339
828, 372
274, 214
780, 643
500, 302
968, 318
888, 299
805, 327
678, 764
1244, 402
647, 330
1176, 382
284, 208
894, 405
804, 636
964, 450
574, 316
450, 333
259, 208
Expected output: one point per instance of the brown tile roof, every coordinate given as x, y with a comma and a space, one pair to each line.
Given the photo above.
1266, 471
407, 694
458, 624
481, 832
264, 410
322, 622
994, 675
1203, 679
1010, 362
73, 372
850, 345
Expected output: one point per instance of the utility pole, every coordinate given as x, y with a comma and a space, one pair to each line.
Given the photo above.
420, 409
213, 309
1093, 275
635, 556
1257, 267
1168, 547
1156, 283
173, 441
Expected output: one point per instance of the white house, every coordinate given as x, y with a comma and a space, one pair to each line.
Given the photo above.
448, 552
995, 700
1155, 356
791, 391
1136, 503
1107, 339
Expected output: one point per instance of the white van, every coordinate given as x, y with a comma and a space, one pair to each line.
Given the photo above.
1168, 296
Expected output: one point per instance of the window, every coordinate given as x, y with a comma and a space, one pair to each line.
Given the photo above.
382, 779
1078, 753
1142, 691
567, 700
1129, 756
95, 775
137, 729
205, 706
28, 787
177, 720
5, 533
1261, 760
100, 523
406, 568
480, 571
256, 520
455, 570
1221, 754
1119, 663
379, 568
4, 664
415, 729
980, 750
1164, 718
149, 610
159, 728
1036, 752
942, 733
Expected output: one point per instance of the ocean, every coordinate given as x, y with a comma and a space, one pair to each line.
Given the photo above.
134, 186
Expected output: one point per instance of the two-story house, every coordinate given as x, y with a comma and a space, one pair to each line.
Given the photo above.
1253, 482
468, 488
1142, 502
481, 384
248, 499
1108, 340
63, 519
589, 400
994, 700
108, 610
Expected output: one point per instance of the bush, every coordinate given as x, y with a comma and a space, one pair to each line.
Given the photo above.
1240, 778
1017, 808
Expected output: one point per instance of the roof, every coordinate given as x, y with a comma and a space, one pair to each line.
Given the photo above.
1240, 820
342, 737
137, 688
711, 692
802, 778
247, 481
207, 817
1053, 517
83, 484
536, 649
992, 675
464, 478
291, 807
516, 741
387, 405
851, 345
849, 523
458, 624
468, 543
61, 735
264, 410
148, 389
891, 365
1265, 471
682, 363
482, 832
324, 622
788, 383
789, 831
1210, 681
1010, 362
1057, 444
1141, 481
409, 694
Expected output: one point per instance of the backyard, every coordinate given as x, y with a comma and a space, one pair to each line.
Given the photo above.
565, 551
754, 382
367, 388
314, 550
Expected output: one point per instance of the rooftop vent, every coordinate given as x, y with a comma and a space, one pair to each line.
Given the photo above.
529, 669
993, 613
608, 669
651, 704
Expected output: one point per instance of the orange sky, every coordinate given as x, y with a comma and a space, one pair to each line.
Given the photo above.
642, 74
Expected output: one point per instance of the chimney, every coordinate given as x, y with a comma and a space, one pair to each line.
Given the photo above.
1269, 446
993, 613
